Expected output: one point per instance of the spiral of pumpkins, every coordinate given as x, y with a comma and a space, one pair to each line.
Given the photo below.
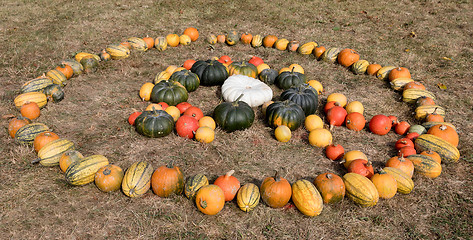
245, 86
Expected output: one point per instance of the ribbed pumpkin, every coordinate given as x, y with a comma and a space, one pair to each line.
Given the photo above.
36, 85
229, 184
16, 123
421, 112
90, 64
269, 40
50, 153
285, 113
385, 184
137, 179
268, 76
210, 72
160, 43
425, 165
401, 163
433, 155
78, 56
37, 97
54, 93
248, 197
232, 38
43, 138
360, 189
67, 158
30, 110
399, 72
281, 44
83, 172
307, 48
445, 132
398, 84
138, 43
347, 57
257, 41
104, 55
117, 51
306, 198
167, 180
170, 92
286, 80
232, 116
187, 78
330, 55
66, 70
210, 199
318, 51
27, 133
359, 67
109, 178
446, 150
428, 125
405, 185
383, 73
156, 123
77, 68
303, 95
411, 95
331, 187
275, 191
193, 184
246, 89
243, 68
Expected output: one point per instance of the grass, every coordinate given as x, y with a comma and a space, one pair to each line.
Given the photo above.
36, 202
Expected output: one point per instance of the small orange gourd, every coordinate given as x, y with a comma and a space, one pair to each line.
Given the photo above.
385, 183
109, 178
331, 187
30, 110
275, 191
229, 184
210, 199
43, 138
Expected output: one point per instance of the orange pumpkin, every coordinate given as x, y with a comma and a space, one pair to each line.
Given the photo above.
66, 70
293, 46
126, 44
17, 123
109, 178
318, 51
434, 117
167, 180
246, 38
385, 183
445, 132
210, 199
229, 184
414, 85
400, 72
433, 155
347, 57
372, 69
269, 40
355, 121
68, 158
275, 191
362, 167
172, 40
188, 64
331, 187
149, 41
43, 138
423, 101
401, 163
30, 110
192, 33
221, 38
351, 156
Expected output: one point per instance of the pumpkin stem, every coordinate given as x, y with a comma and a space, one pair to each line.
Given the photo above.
230, 173
276, 176
106, 171
239, 97
170, 164
381, 171
328, 176
203, 203
37, 160
443, 127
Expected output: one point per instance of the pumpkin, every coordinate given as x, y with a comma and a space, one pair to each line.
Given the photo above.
424, 101
170, 92
229, 184
167, 180
360, 189
351, 156
186, 126
306, 198
399, 84
67, 158
312, 122
268, 76
50, 153
402, 127
320, 137
282, 133
286, 80
37, 97
428, 125
339, 98
261, 66
221, 38
194, 112
232, 38
145, 91
246, 38
132, 118
43, 138
347, 57
16, 123
36, 85
275, 191
77, 68
331, 187
27, 133
359, 67
211, 39
161, 43
104, 56
318, 51
380, 124
425, 165
336, 116
383, 73
248, 197
204, 134
78, 56
225, 60
434, 117
385, 184
303, 95
307, 48
183, 106
362, 167
257, 41
137, 179
445, 132
161, 76
232, 116
207, 121
401, 163
281, 44
83, 171
174, 112
138, 44
269, 40
188, 64
90, 65
403, 142
187, 78
417, 129
405, 185
285, 113
193, 184
317, 86
433, 155
157, 123
30, 110
399, 72
172, 40
192, 33
411, 95
149, 42
421, 112
54, 93
109, 178
210, 199
372, 69
210, 72
330, 55
254, 92
243, 68
184, 40
446, 150
118, 51
293, 45
355, 121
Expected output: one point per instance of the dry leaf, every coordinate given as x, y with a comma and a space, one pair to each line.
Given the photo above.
446, 58
406, 50
8, 116
442, 86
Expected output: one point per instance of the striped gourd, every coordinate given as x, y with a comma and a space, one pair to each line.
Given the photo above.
194, 183
257, 41
383, 72
330, 55
36, 85
27, 133
81, 55
57, 77
428, 125
360, 66
422, 111
307, 48
138, 44
54, 93
360, 189
425, 165
136, 181
37, 97
118, 51
399, 83
212, 39
50, 153
446, 150
161, 43
306, 198
411, 95
248, 197
83, 171
405, 185
77, 68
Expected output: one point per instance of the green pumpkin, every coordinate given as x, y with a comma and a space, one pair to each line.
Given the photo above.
187, 78
303, 95
170, 92
286, 80
210, 72
90, 64
157, 123
285, 113
232, 116
232, 38
268, 76
243, 68
54, 93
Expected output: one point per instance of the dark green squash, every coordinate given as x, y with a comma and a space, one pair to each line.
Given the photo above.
232, 38
90, 64
156, 123
243, 68
303, 95
268, 76
232, 116
285, 113
187, 78
170, 92
286, 80
54, 93
210, 72
36, 85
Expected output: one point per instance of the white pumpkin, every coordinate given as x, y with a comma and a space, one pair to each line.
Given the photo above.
255, 92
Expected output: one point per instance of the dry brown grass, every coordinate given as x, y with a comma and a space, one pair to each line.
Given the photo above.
37, 203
